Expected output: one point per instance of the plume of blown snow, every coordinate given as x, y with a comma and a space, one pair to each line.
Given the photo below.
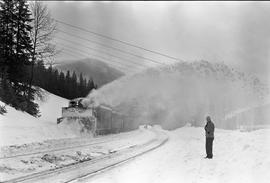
183, 93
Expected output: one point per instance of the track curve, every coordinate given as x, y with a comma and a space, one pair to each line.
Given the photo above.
86, 169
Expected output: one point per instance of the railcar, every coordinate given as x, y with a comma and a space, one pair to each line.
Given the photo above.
99, 120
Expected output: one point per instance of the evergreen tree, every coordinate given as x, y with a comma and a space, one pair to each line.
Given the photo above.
7, 9
80, 87
56, 81
39, 74
74, 85
23, 51
90, 85
61, 83
85, 92
49, 77
68, 84
15, 53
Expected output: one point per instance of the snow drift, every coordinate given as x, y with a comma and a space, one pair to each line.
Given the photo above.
18, 127
181, 93
239, 157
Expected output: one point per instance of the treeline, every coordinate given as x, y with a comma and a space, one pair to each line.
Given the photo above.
26, 32
67, 85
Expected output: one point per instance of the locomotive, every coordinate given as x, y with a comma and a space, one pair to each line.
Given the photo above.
99, 120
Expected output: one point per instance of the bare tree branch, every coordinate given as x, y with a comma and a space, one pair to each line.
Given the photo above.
44, 28
42, 33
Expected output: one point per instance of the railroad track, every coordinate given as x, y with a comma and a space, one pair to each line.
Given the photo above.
99, 140
86, 169
57, 149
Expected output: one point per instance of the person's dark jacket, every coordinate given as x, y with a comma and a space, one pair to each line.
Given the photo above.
209, 129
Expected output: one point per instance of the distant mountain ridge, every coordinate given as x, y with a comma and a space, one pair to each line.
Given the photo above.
98, 70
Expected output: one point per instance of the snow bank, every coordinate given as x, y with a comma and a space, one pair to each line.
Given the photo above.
17, 127
51, 106
186, 92
238, 157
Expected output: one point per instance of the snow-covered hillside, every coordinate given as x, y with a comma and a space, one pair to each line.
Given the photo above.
17, 127
184, 92
239, 157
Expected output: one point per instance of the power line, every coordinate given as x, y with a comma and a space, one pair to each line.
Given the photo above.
97, 50
118, 40
70, 54
69, 49
85, 52
117, 49
120, 67
76, 56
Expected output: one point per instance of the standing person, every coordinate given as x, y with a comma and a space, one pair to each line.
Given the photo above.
209, 134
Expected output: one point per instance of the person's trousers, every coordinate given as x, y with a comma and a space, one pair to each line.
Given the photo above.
209, 147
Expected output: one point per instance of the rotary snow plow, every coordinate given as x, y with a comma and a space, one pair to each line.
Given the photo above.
98, 120
77, 112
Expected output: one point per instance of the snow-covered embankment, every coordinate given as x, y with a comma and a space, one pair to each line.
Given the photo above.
238, 157
17, 127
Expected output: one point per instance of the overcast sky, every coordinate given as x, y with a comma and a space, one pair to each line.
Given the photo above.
237, 33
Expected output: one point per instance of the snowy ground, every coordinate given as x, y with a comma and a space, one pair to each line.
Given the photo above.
238, 157
28, 144
44, 157
18, 128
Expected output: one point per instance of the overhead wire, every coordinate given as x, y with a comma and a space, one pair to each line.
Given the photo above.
118, 40
85, 52
98, 50
71, 50
111, 47
120, 67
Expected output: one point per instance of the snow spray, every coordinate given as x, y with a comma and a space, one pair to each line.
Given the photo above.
183, 93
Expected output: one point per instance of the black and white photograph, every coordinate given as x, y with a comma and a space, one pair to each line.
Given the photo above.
134, 91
